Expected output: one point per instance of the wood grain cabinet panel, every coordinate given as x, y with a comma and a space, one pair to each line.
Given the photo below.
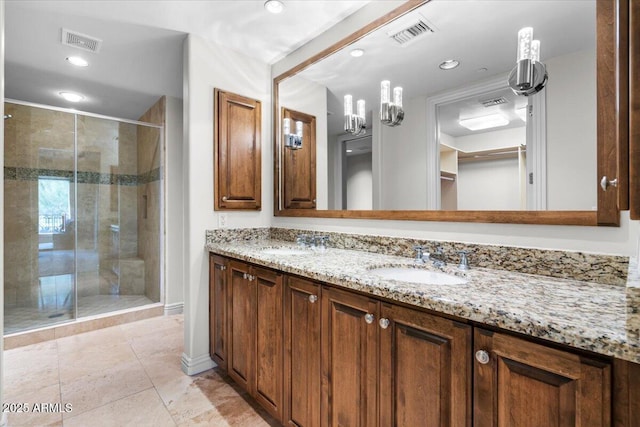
425, 369
299, 166
255, 351
218, 303
269, 339
634, 109
242, 332
302, 353
349, 359
529, 385
237, 155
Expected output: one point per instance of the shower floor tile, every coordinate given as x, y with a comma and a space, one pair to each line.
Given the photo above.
57, 307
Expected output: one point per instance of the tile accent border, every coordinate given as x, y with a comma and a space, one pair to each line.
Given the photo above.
587, 267
33, 174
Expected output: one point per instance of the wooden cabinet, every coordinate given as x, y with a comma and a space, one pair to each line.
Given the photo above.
314, 355
299, 166
237, 155
218, 296
255, 351
519, 383
388, 365
349, 359
302, 353
425, 369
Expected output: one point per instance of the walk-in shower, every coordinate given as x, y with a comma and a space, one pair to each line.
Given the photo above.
82, 215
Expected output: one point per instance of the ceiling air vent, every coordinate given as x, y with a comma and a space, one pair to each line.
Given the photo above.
411, 33
494, 101
81, 41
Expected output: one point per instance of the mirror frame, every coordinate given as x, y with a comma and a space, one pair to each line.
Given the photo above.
612, 52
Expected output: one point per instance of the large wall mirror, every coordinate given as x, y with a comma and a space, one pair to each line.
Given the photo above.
468, 148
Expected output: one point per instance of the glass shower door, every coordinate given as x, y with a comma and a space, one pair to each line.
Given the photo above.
115, 268
39, 228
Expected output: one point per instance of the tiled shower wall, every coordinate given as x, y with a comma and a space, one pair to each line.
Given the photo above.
149, 197
112, 178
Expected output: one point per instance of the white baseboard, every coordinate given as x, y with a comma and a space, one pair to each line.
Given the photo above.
175, 308
3, 419
196, 365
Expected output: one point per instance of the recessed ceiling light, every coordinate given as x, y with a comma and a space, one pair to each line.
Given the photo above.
77, 61
349, 150
356, 53
481, 70
71, 97
449, 64
484, 122
274, 6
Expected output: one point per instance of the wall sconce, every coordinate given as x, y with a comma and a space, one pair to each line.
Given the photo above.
292, 140
355, 124
529, 75
391, 113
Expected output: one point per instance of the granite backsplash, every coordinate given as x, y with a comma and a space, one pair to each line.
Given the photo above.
588, 267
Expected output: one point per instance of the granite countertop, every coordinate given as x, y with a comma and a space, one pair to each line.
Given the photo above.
604, 319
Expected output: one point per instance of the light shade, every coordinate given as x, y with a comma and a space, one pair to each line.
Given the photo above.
525, 37
348, 105
361, 108
484, 122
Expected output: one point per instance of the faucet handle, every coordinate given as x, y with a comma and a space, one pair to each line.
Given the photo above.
464, 262
420, 255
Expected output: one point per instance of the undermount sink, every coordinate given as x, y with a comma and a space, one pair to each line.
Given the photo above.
285, 251
418, 275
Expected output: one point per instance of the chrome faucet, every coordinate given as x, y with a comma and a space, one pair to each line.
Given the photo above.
421, 257
439, 258
464, 261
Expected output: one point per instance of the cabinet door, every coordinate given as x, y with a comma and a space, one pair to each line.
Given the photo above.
218, 293
299, 166
269, 339
529, 385
302, 353
242, 332
425, 369
237, 151
349, 359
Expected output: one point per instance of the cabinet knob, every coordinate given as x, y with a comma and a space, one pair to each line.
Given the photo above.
224, 198
369, 318
605, 183
482, 356
384, 323
313, 298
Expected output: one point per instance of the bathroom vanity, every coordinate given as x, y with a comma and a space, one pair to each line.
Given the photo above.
325, 338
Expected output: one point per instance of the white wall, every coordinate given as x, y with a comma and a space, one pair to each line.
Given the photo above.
359, 182
173, 245
489, 185
299, 94
571, 132
403, 151
209, 66
505, 138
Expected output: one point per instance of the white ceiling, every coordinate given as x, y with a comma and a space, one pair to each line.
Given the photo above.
141, 56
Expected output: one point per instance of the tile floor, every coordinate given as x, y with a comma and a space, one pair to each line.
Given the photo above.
127, 375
